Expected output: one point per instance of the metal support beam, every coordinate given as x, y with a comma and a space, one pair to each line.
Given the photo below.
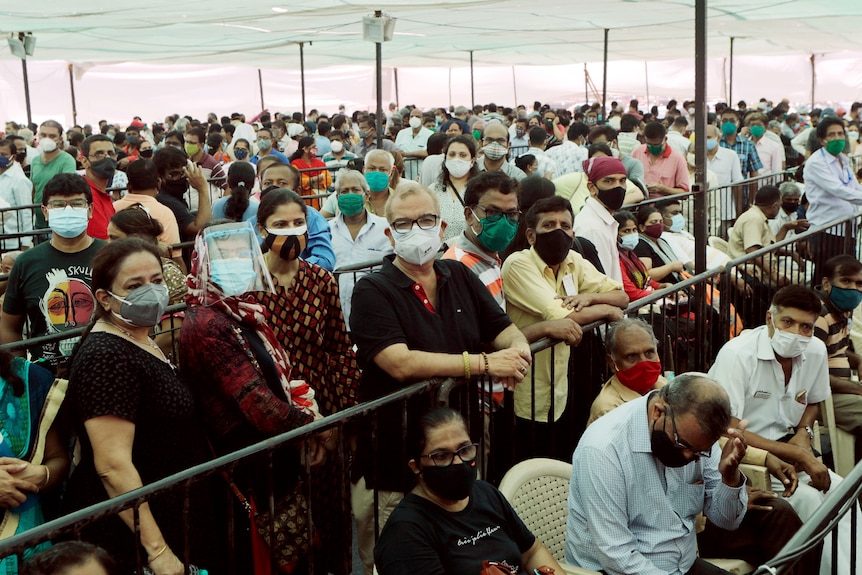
397, 97
472, 86
730, 80
813, 80
605, 79
72, 90
514, 86
26, 90
302, 75
260, 88
379, 60
700, 187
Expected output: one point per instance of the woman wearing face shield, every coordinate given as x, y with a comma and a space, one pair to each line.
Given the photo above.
304, 311
241, 375
129, 408
426, 532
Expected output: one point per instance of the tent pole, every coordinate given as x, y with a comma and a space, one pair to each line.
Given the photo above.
472, 87
813, 82
586, 85
450, 87
514, 87
730, 82
646, 80
260, 87
379, 59
72, 89
700, 208
26, 90
302, 74
397, 99
605, 79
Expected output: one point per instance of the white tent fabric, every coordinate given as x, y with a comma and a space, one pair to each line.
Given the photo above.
162, 56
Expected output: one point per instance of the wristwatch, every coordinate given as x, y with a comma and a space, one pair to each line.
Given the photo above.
810, 433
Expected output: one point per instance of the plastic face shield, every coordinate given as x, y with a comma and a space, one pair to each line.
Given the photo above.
230, 262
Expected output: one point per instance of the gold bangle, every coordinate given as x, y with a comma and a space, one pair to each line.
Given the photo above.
47, 476
466, 365
158, 554
487, 366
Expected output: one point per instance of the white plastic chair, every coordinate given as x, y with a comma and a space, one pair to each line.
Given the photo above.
843, 443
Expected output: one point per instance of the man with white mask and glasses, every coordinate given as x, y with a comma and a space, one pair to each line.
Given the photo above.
415, 319
775, 376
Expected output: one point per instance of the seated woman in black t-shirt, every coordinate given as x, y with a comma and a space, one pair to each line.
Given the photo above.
451, 523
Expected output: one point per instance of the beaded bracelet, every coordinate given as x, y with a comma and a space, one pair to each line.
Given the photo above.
487, 366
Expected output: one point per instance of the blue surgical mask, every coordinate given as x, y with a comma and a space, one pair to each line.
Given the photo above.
711, 144
677, 223
629, 241
4, 162
233, 275
68, 222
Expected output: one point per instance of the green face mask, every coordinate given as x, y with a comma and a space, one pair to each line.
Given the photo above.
835, 147
192, 149
655, 150
497, 234
757, 131
351, 204
477, 135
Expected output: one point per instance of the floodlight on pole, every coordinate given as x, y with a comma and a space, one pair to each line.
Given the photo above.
378, 28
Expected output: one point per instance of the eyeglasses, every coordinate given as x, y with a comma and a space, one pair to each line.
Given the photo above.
425, 222
61, 204
493, 215
681, 444
445, 458
101, 155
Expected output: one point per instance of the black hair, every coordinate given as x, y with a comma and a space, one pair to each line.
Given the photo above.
599, 147
304, 142
841, 264
240, 179
437, 417
767, 195
8, 374
664, 204
214, 139
797, 297
229, 128
623, 216
88, 142
59, 557
655, 130
629, 122
136, 221
178, 134
605, 130
823, 125
66, 185
552, 204
275, 198
487, 181
142, 175
523, 161
576, 130
277, 164
537, 135
645, 212
471, 147
169, 158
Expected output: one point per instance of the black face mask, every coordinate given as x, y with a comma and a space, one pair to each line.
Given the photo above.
453, 482
665, 450
175, 187
789, 207
553, 247
613, 198
147, 153
287, 247
104, 168
20, 156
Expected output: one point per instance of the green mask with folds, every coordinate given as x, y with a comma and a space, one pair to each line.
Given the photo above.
655, 150
757, 131
496, 235
835, 147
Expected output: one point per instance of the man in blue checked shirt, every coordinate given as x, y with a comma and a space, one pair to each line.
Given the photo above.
643, 472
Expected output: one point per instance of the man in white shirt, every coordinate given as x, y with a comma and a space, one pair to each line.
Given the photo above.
676, 136
775, 376
547, 166
727, 168
15, 190
570, 155
771, 153
413, 140
357, 235
607, 184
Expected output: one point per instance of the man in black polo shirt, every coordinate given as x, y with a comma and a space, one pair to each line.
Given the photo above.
415, 319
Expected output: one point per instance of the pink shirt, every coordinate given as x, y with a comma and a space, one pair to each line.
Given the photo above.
669, 169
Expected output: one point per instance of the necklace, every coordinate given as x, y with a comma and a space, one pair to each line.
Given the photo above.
161, 355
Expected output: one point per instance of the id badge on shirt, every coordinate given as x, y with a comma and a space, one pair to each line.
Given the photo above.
569, 285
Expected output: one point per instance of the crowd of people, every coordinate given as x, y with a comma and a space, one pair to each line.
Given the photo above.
469, 234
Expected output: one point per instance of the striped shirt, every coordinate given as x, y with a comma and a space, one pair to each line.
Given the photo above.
480, 263
833, 328
749, 159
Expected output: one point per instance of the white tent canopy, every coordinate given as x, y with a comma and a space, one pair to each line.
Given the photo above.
194, 56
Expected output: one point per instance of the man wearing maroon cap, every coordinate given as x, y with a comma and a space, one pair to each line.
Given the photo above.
606, 180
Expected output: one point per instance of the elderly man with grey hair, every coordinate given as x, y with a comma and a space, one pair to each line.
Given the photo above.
357, 236
643, 472
788, 216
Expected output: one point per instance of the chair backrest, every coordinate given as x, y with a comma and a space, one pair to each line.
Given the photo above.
538, 490
718, 243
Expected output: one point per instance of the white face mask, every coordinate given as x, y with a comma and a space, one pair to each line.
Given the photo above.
297, 231
47, 145
458, 168
418, 246
788, 344
415, 122
336, 146
691, 111
854, 136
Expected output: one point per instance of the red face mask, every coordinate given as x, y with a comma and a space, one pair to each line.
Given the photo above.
654, 230
641, 376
